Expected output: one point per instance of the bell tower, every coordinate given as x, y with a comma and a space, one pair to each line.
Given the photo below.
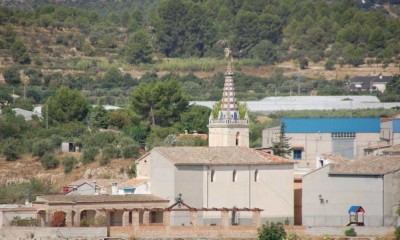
228, 129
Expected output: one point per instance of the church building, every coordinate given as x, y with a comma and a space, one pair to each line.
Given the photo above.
227, 174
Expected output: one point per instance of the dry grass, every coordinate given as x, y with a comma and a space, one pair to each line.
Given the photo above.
29, 167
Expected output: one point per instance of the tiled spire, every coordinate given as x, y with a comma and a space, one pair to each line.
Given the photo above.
228, 102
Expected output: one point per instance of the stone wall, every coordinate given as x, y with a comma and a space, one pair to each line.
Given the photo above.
246, 232
44, 233
339, 231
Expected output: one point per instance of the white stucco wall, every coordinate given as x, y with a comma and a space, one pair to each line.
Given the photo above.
143, 166
162, 177
338, 194
273, 191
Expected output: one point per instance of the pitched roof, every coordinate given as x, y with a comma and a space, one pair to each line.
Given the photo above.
98, 198
370, 165
133, 182
219, 156
393, 150
335, 158
99, 182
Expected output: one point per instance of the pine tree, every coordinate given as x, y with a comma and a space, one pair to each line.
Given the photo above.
281, 146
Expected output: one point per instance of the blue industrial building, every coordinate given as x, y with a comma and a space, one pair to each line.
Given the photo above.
333, 125
314, 138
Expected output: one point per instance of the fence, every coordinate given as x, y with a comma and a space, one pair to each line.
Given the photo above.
344, 220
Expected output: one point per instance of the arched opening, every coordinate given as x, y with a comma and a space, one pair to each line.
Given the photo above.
59, 219
256, 175
41, 217
87, 218
237, 138
212, 175
234, 176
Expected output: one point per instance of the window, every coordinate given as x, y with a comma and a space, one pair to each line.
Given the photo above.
237, 138
297, 154
343, 135
212, 175
256, 176
234, 176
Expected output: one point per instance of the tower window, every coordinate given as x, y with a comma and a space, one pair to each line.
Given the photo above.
256, 175
234, 176
237, 138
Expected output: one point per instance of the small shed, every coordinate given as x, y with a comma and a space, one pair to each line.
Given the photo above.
356, 214
67, 147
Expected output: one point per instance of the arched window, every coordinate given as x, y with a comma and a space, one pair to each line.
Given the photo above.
237, 138
256, 175
212, 175
234, 176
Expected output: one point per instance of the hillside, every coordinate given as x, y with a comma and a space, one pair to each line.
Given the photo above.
81, 44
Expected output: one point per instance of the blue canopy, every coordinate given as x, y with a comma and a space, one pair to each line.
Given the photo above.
356, 209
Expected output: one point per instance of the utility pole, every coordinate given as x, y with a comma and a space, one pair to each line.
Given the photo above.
153, 121
47, 116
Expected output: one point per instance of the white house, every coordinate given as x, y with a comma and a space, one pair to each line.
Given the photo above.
372, 183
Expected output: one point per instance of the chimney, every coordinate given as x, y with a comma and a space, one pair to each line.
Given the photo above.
114, 189
95, 186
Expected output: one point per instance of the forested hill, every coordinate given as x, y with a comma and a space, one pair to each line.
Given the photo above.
275, 30
106, 47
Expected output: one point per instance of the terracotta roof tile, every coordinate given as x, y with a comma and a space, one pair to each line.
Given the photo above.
393, 150
133, 182
219, 156
335, 158
99, 198
374, 165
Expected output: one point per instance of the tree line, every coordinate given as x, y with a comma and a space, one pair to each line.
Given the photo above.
345, 32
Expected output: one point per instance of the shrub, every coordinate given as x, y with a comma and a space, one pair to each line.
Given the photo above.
41, 147
397, 233
111, 151
271, 232
104, 160
89, 155
69, 163
84, 223
49, 161
130, 151
132, 170
18, 221
350, 232
11, 150
56, 141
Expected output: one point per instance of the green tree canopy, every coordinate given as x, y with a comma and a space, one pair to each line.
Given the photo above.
160, 103
66, 106
138, 49
195, 119
281, 146
12, 76
20, 53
